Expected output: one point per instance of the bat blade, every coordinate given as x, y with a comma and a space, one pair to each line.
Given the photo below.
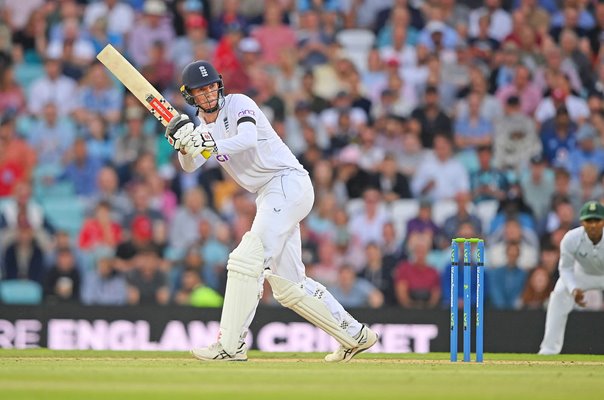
140, 87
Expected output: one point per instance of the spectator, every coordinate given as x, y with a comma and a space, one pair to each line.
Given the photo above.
432, 118
100, 230
183, 231
561, 95
351, 180
506, 283
273, 35
194, 292
12, 97
515, 139
587, 151
351, 291
98, 142
417, 284
473, 130
501, 22
17, 158
159, 69
147, 284
141, 238
367, 226
62, 281
23, 257
133, 142
108, 190
392, 184
440, 176
154, 26
98, 95
537, 290
588, 187
513, 233
538, 187
522, 87
462, 215
53, 87
423, 223
81, 169
325, 270
103, 284
119, 15
379, 272
231, 14
558, 138
488, 183
21, 208
52, 136
196, 31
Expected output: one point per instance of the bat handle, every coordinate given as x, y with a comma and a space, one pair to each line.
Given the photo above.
206, 153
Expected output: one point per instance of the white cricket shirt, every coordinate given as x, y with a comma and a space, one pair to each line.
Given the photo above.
577, 251
249, 149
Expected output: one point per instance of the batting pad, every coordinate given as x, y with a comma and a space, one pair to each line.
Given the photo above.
243, 290
311, 307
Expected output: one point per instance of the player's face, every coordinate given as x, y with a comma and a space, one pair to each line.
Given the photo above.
593, 227
206, 97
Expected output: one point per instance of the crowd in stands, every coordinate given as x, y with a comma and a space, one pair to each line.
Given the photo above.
418, 120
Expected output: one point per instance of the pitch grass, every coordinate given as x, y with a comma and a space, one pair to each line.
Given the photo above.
45, 374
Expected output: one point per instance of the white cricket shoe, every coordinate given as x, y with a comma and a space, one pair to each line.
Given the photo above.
366, 338
215, 352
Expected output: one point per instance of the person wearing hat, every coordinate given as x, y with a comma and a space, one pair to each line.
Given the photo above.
154, 26
587, 151
581, 268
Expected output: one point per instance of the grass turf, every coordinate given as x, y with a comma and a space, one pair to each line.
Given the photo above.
45, 374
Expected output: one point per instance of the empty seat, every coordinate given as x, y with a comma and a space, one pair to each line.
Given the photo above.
20, 291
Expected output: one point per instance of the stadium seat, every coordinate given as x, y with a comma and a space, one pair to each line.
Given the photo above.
66, 213
443, 209
20, 291
402, 211
356, 44
486, 211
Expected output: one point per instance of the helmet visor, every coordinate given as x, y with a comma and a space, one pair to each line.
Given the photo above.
207, 97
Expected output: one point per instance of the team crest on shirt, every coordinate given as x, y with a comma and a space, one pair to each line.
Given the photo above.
582, 254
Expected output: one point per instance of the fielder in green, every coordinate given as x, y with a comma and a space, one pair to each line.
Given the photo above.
581, 268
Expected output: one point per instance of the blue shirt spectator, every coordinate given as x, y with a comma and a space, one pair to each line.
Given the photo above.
52, 136
506, 283
82, 170
558, 138
586, 151
437, 33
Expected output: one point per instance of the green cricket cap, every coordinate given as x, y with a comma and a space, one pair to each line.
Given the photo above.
592, 210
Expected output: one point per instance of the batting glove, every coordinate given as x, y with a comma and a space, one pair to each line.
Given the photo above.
202, 141
179, 131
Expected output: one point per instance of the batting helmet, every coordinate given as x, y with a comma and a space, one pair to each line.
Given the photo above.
199, 74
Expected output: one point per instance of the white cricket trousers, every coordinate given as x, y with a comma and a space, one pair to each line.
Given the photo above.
561, 303
280, 206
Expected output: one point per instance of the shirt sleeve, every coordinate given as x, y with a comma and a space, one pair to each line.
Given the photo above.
567, 262
190, 162
246, 113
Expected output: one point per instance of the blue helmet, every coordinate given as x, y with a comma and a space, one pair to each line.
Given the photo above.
199, 74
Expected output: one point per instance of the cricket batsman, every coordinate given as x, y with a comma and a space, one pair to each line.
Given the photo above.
581, 268
238, 134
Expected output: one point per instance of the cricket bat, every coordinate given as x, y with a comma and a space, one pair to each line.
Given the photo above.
139, 86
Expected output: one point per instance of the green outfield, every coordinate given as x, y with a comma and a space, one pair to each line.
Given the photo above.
45, 374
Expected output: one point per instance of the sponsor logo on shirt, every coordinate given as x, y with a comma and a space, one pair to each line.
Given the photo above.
222, 158
244, 113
